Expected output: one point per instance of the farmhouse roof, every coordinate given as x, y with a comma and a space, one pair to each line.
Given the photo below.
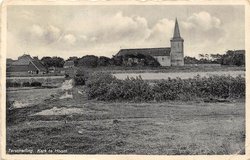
25, 62
146, 51
9, 61
39, 65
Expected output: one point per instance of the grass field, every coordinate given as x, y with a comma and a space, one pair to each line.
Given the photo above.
82, 126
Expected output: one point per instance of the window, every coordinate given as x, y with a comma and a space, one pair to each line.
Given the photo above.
162, 58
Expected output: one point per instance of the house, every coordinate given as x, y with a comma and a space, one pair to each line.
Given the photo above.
69, 64
26, 64
9, 61
166, 56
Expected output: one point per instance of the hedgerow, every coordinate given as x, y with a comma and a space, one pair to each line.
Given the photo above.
106, 87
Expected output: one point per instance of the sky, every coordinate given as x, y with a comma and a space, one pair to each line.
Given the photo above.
103, 30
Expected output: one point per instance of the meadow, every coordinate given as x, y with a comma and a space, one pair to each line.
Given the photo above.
83, 126
210, 121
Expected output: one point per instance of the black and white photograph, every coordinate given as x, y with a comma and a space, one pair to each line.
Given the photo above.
125, 79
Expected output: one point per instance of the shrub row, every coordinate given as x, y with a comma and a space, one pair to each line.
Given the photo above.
106, 87
24, 84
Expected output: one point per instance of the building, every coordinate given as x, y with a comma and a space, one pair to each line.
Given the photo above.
26, 64
69, 64
167, 56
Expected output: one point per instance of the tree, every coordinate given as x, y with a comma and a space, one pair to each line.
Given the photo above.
201, 56
103, 61
136, 60
75, 59
151, 61
190, 60
53, 61
117, 60
88, 61
234, 58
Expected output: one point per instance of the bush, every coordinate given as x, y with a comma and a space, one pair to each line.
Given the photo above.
13, 84
108, 88
197, 87
81, 76
35, 84
98, 85
26, 84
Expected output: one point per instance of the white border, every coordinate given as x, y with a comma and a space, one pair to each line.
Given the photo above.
6, 3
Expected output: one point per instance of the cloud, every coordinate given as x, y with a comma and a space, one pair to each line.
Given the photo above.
103, 31
202, 32
110, 28
70, 38
161, 32
40, 34
203, 20
53, 33
37, 30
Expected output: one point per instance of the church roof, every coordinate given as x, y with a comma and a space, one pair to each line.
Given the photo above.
146, 51
177, 34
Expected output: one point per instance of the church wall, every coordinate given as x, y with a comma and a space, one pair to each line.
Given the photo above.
177, 55
163, 60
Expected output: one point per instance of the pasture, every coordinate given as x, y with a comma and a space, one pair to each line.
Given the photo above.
84, 126
41, 120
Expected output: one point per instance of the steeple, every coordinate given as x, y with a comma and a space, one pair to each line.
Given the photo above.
177, 47
176, 30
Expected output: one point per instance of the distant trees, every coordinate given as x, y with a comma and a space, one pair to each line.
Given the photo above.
104, 61
236, 57
52, 61
190, 60
88, 61
229, 58
74, 59
125, 60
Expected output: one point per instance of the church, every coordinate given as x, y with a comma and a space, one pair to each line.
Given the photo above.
166, 56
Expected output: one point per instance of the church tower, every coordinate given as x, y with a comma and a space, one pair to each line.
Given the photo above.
177, 53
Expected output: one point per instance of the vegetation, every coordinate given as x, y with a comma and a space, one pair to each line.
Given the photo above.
24, 84
229, 58
13, 84
52, 61
88, 61
81, 76
131, 60
108, 88
128, 60
94, 127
